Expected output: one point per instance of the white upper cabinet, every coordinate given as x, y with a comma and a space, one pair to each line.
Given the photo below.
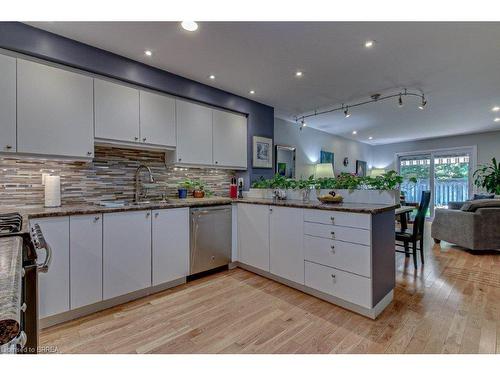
194, 134
229, 139
157, 119
54, 111
7, 104
116, 111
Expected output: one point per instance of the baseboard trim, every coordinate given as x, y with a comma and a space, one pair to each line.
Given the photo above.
371, 313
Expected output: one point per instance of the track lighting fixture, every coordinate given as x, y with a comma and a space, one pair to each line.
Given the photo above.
302, 124
400, 101
373, 98
346, 112
423, 103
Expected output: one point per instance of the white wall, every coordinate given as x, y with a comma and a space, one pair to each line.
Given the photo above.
488, 146
309, 142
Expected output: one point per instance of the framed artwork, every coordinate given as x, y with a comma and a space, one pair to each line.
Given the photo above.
262, 152
327, 157
361, 168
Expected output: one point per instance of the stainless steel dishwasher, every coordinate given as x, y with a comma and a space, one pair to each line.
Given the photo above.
210, 238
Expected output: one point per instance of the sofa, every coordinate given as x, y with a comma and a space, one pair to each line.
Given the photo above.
475, 225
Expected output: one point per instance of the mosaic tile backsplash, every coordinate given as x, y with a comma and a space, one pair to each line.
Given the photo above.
109, 176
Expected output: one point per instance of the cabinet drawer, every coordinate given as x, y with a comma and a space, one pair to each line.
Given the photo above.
344, 219
335, 232
347, 286
346, 256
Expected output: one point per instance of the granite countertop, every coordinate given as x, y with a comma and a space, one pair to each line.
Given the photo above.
363, 208
33, 212
11, 254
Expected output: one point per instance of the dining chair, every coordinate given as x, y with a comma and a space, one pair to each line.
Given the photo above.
415, 234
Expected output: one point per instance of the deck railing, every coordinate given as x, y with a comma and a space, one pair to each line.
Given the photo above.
449, 190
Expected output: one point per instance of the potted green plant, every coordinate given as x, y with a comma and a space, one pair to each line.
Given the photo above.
487, 177
183, 188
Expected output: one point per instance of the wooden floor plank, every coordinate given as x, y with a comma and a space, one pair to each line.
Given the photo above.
450, 305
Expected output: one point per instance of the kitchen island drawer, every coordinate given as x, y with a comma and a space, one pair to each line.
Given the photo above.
335, 232
347, 286
345, 219
346, 256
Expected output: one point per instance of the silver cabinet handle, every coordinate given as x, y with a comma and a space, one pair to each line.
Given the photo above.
8, 147
157, 214
136, 138
332, 233
180, 159
332, 218
334, 277
144, 139
148, 214
89, 153
96, 219
24, 307
333, 249
216, 162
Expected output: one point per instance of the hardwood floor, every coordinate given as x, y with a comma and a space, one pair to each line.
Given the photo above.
450, 305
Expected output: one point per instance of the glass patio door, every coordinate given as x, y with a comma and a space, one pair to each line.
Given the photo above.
452, 178
420, 168
446, 173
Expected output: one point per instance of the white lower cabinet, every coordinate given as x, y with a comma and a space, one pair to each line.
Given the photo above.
253, 235
126, 252
53, 286
344, 285
170, 244
85, 260
285, 239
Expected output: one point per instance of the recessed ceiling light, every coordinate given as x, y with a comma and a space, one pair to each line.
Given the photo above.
211, 76
495, 108
369, 43
148, 52
370, 138
354, 132
298, 73
497, 119
189, 25
251, 92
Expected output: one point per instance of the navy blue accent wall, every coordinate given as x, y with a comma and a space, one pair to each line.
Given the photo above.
35, 42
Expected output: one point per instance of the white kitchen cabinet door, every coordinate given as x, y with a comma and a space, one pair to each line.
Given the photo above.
85, 259
157, 119
229, 140
126, 252
7, 104
285, 238
54, 111
53, 286
253, 235
116, 111
170, 244
194, 133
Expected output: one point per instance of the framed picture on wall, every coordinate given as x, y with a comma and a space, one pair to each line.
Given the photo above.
327, 157
262, 152
361, 168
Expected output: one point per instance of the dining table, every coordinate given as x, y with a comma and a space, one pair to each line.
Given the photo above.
402, 213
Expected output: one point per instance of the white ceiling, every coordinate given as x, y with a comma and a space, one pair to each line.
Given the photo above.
457, 65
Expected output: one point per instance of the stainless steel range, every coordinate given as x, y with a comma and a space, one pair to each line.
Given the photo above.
11, 225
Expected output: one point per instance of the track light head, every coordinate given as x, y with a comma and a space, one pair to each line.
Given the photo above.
423, 104
346, 112
400, 101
